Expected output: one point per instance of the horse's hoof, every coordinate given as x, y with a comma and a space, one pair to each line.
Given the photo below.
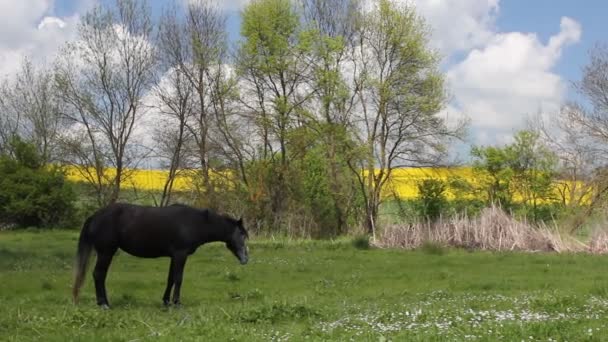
104, 307
166, 303
177, 305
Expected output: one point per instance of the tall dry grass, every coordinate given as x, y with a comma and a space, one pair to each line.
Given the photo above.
598, 244
492, 230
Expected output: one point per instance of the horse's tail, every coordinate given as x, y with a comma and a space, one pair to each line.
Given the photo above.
82, 259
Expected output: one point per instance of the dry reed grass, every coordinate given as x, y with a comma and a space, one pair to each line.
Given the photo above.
492, 230
598, 244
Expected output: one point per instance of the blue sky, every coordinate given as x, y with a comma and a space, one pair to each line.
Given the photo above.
504, 59
540, 16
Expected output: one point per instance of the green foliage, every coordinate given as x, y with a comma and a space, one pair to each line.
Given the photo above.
268, 26
526, 168
534, 167
465, 201
362, 242
519, 177
432, 248
492, 165
408, 89
433, 202
32, 193
319, 192
316, 189
399, 29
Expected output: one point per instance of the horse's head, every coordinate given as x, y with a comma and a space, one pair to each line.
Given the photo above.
237, 242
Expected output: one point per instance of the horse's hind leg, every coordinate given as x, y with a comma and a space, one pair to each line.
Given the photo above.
99, 275
167, 295
179, 261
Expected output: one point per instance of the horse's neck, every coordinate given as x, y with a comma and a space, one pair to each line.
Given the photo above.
216, 233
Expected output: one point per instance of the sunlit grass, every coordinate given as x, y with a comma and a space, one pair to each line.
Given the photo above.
306, 290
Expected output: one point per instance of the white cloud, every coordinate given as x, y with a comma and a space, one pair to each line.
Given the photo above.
29, 28
499, 84
228, 5
51, 21
458, 25
504, 76
18, 20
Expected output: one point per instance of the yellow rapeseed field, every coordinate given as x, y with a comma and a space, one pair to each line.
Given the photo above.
403, 183
138, 179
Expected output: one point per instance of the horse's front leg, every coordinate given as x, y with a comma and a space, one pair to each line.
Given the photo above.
179, 262
99, 275
167, 295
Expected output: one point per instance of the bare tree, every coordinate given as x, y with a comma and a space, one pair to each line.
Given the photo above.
196, 48
576, 159
31, 109
9, 122
174, 140
579, 136
231, 135
102, 78
175, 94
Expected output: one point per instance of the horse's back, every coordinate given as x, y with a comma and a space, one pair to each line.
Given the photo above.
141, 230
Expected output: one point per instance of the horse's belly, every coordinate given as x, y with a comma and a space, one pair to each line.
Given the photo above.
145, 253
144, 250
152, 239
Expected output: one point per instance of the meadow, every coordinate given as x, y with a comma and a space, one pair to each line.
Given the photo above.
306, 291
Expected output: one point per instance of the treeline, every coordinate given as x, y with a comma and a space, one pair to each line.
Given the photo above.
297, 114
297, 126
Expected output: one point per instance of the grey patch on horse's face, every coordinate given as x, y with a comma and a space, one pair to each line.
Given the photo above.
238, 246
244, 255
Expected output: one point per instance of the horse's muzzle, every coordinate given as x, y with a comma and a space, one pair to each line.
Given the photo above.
244, 260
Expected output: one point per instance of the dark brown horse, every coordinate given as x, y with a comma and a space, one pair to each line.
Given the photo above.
150, 232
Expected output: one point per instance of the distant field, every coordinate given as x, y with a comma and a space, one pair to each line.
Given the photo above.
403, 183
139, 179
306, 291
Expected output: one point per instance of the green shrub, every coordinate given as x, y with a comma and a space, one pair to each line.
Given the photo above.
432, 198
545, 212
361, 242
33, 194
433, 248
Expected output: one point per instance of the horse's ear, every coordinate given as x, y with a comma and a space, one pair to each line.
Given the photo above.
241, 227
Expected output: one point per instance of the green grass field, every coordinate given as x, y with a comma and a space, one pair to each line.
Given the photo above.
306, 291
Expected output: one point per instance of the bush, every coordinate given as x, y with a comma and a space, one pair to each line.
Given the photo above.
433, 248
432, 198
361, 242
546, 212
32, 194
310, 196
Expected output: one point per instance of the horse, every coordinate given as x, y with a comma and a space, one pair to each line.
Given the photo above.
175, 231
